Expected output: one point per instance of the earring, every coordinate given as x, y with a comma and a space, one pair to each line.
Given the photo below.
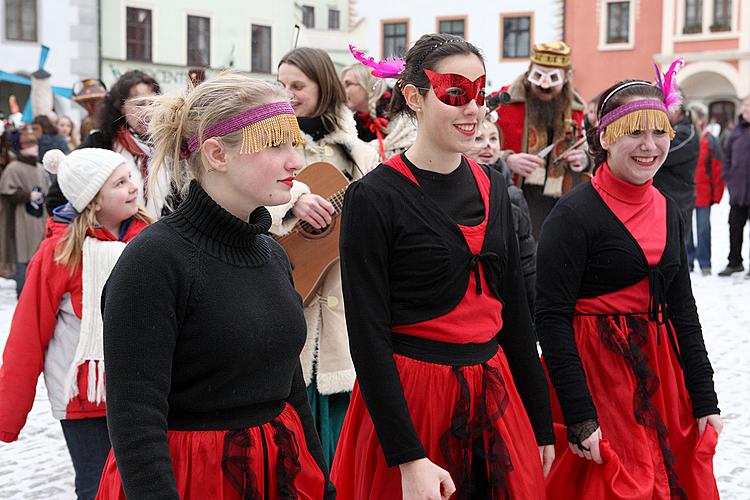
419, 109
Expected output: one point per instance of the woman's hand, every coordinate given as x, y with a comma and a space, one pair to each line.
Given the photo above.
577, 160
423, 480
547, 456
714, 420
524, 164
589, 447
313, 209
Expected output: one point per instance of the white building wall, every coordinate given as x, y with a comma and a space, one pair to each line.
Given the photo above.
69, 29
482, 26
231, 22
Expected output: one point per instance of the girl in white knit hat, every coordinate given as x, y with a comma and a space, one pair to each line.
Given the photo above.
57, 325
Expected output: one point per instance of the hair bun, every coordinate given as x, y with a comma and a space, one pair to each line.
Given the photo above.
52, 160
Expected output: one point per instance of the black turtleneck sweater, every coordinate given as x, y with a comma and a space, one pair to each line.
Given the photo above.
202, 331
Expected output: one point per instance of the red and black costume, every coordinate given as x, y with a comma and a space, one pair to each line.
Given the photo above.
202, 335
431, 274
621, 338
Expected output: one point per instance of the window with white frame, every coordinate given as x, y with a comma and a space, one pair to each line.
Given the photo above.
618, 22
308, 16
199, 41
334, 19
693, 19
722, 20
260, 50
138, 34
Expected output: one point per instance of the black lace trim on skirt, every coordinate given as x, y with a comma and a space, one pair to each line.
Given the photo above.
240, 472
457, 444
646, 414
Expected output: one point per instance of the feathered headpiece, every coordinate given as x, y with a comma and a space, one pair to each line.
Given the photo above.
668, 85
388, 68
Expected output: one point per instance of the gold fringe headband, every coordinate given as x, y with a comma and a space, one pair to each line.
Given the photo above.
632, 116
262, 127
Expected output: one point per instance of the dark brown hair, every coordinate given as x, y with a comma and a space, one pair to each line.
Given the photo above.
318, 67
426, 53
45, 123
112, 118
645, 90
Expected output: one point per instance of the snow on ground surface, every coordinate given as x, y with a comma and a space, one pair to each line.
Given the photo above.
38, 466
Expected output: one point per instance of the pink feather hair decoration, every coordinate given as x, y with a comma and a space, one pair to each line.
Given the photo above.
388, 68
668, 84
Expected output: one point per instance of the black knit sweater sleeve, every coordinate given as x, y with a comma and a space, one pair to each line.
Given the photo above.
684, 317
141, 318
518, 342
561, 261
365, 237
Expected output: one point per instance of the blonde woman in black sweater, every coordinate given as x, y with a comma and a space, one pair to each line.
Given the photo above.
202, 325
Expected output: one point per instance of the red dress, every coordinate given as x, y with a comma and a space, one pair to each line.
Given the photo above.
650, 442
453, 408
266, 462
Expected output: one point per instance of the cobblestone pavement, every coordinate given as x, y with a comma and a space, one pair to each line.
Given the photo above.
38, 466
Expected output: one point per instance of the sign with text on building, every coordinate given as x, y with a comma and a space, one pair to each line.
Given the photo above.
172, 79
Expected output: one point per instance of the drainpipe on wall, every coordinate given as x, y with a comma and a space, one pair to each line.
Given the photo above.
99, 37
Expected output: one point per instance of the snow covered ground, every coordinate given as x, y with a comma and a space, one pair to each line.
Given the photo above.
38, 466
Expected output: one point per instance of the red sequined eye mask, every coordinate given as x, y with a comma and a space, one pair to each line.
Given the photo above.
457, 90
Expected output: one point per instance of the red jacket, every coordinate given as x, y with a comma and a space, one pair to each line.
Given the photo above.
709, 184
44, 335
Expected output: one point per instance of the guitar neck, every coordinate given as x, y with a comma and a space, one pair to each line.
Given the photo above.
337, 200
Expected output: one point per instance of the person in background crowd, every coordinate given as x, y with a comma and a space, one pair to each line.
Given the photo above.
368, 97
122, 129
617, 321
202, 325
676, 177
48, 136
543, 111
486, 151
57, 327
23, 185
90, 95
67, 128
709, 188
737, 176
319, 102
590, 119
450, 393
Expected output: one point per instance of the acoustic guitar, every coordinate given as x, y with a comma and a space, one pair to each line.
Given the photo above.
313, 251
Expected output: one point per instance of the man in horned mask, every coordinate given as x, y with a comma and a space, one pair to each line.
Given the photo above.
542, 125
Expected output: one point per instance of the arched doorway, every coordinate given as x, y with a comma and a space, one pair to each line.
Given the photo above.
715, 91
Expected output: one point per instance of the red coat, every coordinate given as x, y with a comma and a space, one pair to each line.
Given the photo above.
709, 184
46, 323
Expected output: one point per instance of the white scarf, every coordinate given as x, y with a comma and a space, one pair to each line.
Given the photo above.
99, 258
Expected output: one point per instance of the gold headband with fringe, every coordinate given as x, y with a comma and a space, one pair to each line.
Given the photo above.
262, 127
632, 116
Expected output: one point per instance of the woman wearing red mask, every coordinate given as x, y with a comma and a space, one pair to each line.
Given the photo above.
431, 274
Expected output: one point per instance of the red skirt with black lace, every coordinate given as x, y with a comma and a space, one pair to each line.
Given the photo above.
461, 415
266, 462
650, 444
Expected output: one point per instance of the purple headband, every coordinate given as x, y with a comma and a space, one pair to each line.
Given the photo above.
628, 108
235, 123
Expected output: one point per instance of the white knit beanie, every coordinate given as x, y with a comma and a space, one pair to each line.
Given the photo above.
82, 173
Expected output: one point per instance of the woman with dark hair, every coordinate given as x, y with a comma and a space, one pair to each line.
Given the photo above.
450, 393
319, 102
123, 130
617, 321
